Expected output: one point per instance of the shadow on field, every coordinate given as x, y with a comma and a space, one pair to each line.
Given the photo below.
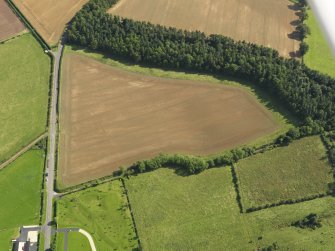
270, 100
295, 35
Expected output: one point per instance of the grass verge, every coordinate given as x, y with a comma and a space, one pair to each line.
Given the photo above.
103, 212
319, 57
24, 83
200, 212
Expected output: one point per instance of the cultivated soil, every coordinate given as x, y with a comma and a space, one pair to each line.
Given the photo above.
49, 17
9, 23
265, 22
111, 117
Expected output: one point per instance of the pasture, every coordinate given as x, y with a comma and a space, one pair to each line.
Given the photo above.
24, 84
252, 21
319, 57
10, 25
200, 212
20, 183
75, 241
103, 212
111, 117
49, 17
299, 170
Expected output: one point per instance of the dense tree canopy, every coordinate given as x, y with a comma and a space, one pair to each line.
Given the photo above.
309, 94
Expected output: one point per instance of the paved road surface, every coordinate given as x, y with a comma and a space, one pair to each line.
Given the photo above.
52, 147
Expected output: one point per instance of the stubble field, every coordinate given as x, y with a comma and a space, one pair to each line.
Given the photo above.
111, 117
9, 23
265, 22
49, 17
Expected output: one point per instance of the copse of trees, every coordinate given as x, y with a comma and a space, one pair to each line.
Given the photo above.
309, 94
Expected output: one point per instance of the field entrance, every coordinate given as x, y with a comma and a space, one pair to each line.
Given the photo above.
49, 17
265, 22
111, 117
9, 23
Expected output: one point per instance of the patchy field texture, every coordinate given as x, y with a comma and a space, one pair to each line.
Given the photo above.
20, 186
9, 23
24, 85
49, 17
299, 170
103, 212
200, 212
110, 117
265, 22
76, 241
319, 56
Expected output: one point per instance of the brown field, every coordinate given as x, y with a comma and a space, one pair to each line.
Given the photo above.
49, 17
9, 23
265, 22
111, 117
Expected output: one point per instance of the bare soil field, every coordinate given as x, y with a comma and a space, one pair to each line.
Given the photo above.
111, 117
9, 22
49, 17
265, 22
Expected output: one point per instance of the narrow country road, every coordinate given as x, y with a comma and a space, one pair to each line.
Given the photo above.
52, 147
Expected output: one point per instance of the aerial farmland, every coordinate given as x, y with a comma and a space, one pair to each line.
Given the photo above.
9, 23
49, 17
265, 22
165, 125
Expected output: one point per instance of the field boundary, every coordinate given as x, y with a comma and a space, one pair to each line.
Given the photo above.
132, 214
23, 150
20, 15
17, 35
330, 192
236, 187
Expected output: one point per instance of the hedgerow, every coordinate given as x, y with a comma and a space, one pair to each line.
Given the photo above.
307, 93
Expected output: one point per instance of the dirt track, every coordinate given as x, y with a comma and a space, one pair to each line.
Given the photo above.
49, 17
9, 23
265, 22
111, 117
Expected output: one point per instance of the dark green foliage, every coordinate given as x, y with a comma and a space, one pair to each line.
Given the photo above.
41, 145
274, 246
310, 221
306, 92
304, 30
304, 47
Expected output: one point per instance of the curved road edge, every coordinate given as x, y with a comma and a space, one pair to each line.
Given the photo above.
89, 237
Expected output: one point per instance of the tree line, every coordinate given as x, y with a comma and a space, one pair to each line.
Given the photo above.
307, 93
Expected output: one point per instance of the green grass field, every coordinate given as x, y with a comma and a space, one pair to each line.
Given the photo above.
296, 171
319, 56
200, 212
20, 184
76, 241
102, 211
283, 117
24, 84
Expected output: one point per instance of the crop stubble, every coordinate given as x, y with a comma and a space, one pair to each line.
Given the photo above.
265, 22
49, 17
9, 23
111, 117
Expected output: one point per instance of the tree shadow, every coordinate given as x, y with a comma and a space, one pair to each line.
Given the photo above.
295, 35
267, 98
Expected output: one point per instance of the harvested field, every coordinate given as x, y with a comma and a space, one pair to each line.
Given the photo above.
9, 22
265, 22
49, 17
111, 117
